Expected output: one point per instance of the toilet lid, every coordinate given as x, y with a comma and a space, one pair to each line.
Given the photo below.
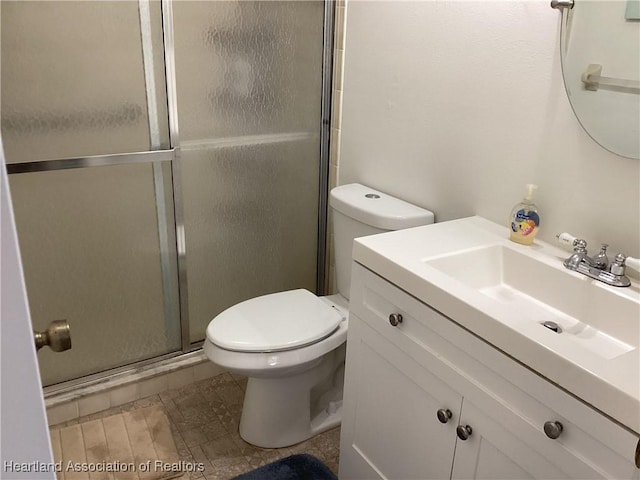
279, 321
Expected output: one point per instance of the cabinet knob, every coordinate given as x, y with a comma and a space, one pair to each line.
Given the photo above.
444, 415
552, 429
395, 319
463, 431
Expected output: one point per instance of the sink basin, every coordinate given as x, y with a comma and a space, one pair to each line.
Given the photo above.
603, 320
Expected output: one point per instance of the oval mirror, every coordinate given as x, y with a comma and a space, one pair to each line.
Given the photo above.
600, 53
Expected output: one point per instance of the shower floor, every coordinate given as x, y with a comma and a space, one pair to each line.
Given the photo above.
204, 419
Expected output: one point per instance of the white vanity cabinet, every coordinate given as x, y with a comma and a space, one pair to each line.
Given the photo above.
403, 381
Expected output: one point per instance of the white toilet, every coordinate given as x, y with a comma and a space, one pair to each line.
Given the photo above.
291, 345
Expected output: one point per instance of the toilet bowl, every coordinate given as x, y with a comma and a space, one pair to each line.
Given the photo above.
281, 406
291, 345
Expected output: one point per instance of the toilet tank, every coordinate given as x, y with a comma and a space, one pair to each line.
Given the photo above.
359, 211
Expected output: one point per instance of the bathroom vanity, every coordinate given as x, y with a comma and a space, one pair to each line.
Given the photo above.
451, 374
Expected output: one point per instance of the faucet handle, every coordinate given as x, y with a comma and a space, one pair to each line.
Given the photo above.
566, 239
618, 265
622, 261
630, 262
580, 245
618, 268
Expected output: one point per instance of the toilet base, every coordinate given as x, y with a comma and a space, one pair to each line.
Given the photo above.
279, 412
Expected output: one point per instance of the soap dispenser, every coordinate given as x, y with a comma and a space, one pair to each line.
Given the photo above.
524, 219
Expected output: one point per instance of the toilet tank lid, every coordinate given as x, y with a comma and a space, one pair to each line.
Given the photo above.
276, 322
377, 209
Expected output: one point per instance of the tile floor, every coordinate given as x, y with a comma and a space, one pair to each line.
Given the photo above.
204, 420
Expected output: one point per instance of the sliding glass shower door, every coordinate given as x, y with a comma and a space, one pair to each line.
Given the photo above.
95, 223
165, 163
249, 90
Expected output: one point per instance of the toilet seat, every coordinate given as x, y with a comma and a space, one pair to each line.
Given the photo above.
274, 323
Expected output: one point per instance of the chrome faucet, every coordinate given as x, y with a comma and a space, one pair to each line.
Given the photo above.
597, 267
580, 256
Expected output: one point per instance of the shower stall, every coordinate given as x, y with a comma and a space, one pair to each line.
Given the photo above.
166, 161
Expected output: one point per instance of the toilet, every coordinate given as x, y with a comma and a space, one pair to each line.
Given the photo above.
291, 345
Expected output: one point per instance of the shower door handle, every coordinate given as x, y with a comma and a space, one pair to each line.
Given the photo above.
57, 336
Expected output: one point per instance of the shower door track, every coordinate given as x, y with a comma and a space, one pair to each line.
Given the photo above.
104, 379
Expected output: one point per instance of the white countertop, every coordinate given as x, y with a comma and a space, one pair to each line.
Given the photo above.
612, 385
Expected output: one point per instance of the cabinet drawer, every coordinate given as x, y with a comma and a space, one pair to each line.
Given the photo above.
489, 378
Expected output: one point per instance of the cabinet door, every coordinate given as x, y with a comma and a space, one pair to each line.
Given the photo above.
493, 451
390, 427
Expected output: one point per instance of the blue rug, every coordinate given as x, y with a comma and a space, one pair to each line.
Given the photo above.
295, 467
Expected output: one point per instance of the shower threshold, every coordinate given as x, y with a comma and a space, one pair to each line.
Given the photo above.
120, 376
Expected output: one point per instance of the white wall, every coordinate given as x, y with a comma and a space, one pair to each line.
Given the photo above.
456, 105
24, 437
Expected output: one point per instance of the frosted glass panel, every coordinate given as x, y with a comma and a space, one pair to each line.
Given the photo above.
251, 224
246, 68
249, 78
73, 79
91, 254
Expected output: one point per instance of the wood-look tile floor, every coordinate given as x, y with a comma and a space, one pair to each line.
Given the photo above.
204, 420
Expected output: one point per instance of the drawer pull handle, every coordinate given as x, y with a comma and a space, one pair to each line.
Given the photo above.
444, 415
395, 319
464, 431
552, 429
